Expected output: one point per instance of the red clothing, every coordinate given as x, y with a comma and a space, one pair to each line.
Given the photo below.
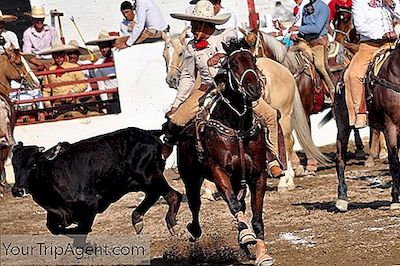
341, 3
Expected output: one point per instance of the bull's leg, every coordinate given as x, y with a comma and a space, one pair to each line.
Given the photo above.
340, 160
393, 142
236, 206
359, 152
137, 214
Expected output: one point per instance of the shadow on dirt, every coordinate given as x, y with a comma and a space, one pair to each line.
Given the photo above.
330, 206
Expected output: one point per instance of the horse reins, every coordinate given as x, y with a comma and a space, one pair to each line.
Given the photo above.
346, 34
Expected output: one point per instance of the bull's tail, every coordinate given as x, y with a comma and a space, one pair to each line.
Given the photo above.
300, 125
328, 117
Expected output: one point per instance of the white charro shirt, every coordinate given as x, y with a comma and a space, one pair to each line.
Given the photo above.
371, 19
197, 60
11, 38
148, 16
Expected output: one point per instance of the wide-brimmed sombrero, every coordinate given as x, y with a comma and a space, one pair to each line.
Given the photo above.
56, 47
7, 18
80, 49
104, 36
203, 11
37, 12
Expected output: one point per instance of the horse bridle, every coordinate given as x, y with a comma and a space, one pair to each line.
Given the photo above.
179, 69
349, 30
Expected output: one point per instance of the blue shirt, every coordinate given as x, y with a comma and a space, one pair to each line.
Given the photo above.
316, 23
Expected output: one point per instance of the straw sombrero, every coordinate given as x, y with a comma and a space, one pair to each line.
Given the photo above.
203, 11
104, 36
57, 46
37, 12
7, 18
78, 48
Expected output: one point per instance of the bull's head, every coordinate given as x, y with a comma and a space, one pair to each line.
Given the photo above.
24, 162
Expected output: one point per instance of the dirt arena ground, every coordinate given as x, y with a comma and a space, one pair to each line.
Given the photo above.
301, 226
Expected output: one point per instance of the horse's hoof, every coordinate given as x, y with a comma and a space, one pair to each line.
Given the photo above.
369, 162
195, 231
264, 260
342, 205
299, 171
175, 230
359, 155
247, 252
247, 237
395, 206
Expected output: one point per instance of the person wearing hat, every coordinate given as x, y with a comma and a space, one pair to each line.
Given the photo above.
128, 24
58, 52
10, 38
150, 24
105, 43
220, 10
39, 36
203, 53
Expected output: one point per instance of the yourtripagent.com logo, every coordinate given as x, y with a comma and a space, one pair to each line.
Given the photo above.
74, 250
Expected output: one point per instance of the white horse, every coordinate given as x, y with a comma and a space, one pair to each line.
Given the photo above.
280, 91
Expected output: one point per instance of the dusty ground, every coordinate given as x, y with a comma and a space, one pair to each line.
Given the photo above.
302, 227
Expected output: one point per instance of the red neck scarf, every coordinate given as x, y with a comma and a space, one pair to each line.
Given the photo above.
201, 44
58, 75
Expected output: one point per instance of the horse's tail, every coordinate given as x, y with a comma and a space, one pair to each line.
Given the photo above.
328, 117
300, 125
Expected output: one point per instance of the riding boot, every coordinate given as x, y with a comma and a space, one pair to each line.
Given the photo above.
171, 135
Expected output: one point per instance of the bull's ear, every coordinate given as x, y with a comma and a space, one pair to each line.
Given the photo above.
41, 149
20, 143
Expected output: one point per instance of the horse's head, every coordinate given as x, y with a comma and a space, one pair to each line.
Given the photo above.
19, 68
255, 40
241, 69
343, 23
174, 51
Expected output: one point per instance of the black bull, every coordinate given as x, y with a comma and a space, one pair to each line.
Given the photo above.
74, 182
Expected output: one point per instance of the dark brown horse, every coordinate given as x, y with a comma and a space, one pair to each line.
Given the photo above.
300, 62
383, 98
234, 152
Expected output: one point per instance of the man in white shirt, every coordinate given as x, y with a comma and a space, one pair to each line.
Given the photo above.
373, 20
10, 38
150, 24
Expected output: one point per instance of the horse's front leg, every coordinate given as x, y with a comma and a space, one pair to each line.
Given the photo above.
236, 206
257, 190
392, 140
340, 160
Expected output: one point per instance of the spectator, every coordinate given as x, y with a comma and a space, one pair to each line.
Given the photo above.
58, 52
10, 38
128, 24
38, 37
150, 24
105, 43
74, 58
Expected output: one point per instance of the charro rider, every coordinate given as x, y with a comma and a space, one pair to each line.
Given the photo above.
373, 20
204, 53
314, 30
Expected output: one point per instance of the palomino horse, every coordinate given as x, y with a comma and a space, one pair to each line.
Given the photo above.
233, 152
383, 97
346, 34
12, 67
299, 60
280, 91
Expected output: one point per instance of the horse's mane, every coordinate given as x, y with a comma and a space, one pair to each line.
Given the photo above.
280, 52
234, 45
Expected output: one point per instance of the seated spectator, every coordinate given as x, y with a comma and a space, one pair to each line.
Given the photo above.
58, 52
74, 57
128, 23
105, 43
39, 37
150, 24
10, 38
